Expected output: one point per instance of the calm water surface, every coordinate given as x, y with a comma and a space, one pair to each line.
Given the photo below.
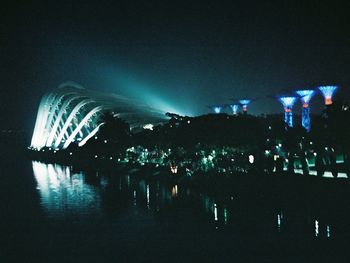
54, 213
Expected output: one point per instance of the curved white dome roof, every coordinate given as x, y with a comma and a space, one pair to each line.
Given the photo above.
73, 114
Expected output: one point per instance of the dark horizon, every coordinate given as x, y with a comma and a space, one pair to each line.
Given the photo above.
177, 57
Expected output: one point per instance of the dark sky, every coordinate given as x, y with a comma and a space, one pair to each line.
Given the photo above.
174, 56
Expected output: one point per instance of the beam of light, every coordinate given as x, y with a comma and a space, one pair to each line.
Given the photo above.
74, 114
149, 94
234, 108
288, 103
327, 92
305, 97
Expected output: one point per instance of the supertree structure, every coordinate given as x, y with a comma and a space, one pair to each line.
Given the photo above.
328, 92
305, 97
288, 103
234, 108
244, 103
216, 108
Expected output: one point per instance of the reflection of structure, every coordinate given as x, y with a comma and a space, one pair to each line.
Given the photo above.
216, 108
62, 192
288, 103
234, 108
305, 97
73, 114
244, 104
327, 92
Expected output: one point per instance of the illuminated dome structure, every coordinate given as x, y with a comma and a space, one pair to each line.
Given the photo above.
73, 114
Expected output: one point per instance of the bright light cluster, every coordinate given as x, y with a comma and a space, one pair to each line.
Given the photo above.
327, 92
73, 114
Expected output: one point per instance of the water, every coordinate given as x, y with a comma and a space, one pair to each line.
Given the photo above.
54, 213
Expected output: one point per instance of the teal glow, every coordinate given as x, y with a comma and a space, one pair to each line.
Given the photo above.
151, 95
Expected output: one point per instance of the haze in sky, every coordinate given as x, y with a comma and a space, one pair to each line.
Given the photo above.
176, 56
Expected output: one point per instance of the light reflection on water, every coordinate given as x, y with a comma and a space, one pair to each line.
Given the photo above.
65, 193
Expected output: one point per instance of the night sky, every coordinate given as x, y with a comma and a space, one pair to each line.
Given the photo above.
174, 56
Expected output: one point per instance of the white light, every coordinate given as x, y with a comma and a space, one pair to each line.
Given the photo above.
215, 213
147, 195
251, 159
328, 230
148, 126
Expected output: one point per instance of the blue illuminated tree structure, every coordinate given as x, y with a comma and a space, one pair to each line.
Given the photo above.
327, 92
288, 103
216, 108
244, 104
305, 97
234, 108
